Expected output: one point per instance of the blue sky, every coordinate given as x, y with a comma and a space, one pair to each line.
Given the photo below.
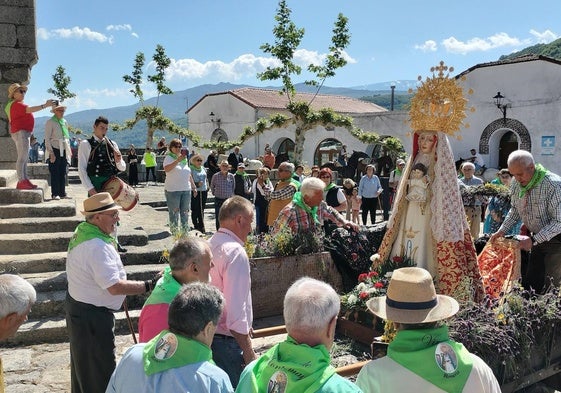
212, 41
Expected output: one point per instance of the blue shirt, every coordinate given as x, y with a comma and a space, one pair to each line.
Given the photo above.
202, 377
369, 186
200, 176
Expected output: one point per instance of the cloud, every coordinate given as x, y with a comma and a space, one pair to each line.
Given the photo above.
304, 57
544, 38
125, 27
134, 35
76, 32
427, 46
499, 40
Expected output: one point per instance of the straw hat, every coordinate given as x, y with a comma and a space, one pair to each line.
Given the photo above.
411, 298
13, 88
54, 108
100, 202
400, 161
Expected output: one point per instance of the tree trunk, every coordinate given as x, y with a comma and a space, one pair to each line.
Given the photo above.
299, 139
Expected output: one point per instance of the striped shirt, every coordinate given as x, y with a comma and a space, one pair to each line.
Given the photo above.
222, 186
539, 209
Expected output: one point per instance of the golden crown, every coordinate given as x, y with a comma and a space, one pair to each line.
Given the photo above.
439, 103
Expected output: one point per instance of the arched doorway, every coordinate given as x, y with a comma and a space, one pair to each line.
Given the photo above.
327, 151
285, 152
507, 144
219, 135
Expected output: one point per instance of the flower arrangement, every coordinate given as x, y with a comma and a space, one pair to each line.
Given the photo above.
481, 192
284, 243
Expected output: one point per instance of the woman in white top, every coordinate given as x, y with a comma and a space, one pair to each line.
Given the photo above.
57, 146
178, 185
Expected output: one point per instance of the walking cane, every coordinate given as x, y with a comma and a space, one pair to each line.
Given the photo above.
381, 205
129, 321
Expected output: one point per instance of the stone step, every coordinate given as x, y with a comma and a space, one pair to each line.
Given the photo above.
39, 224
8, 177
51, 290
62, 208
15, 243
150, 253
9, 193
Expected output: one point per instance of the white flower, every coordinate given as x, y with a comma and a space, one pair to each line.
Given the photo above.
361, 287
352, 299
388, 275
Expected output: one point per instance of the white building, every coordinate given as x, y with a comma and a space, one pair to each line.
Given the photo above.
529, 116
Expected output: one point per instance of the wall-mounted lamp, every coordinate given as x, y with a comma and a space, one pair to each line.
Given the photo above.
214, 119
499, 99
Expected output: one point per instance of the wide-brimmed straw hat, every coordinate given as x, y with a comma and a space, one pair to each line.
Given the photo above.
411, 298
53, 110
98, 203
13, 88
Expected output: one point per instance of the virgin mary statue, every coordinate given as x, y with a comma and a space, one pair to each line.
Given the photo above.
432, 231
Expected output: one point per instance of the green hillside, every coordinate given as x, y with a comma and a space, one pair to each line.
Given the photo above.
553, 49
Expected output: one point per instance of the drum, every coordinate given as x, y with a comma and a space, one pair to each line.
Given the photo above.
122, 193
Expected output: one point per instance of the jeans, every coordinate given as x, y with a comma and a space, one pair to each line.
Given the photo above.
21, 139
227, 354
179, 204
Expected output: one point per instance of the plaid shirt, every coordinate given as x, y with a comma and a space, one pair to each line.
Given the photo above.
539, 209
222, 187
283, 193
299, 220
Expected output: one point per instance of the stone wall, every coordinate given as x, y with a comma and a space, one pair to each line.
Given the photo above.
18, 53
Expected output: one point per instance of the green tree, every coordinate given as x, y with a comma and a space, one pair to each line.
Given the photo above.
136, 78
162, 63
61, 82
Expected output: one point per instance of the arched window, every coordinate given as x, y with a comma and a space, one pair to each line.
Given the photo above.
327, 151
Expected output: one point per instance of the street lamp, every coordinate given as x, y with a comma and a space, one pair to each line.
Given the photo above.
499, 99
392, 86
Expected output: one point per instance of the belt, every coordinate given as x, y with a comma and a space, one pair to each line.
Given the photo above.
222, 336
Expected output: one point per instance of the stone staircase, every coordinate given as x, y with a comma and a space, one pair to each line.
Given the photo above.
34, 236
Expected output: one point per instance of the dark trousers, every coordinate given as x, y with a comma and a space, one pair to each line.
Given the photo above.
261, 217
544, 264
228, 355
217, 205
92, 346
198, 210
133, 175
153, 170
58, 174
369, 205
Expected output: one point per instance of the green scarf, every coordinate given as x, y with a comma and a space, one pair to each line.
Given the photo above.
195, 168
296, 367
241, 173
416, 349
165, 290
63, 126
174, 156
299, 201
539, 175
7, 108
86, 231
397, 171
173, 351
329, 186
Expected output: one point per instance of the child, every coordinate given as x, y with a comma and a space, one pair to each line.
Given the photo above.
355, 205
418, 183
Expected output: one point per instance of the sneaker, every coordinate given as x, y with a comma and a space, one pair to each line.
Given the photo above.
23, 185
31, 184
57, 198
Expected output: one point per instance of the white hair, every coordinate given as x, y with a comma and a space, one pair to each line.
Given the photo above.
309, 305
16, 295
311, 185
521, 157
468, 164
287, 165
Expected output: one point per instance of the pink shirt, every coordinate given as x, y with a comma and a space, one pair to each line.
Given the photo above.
231, 274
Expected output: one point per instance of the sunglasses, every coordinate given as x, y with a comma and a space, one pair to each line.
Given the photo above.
199, 160
22, 91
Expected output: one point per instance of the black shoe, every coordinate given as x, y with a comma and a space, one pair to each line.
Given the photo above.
121, 248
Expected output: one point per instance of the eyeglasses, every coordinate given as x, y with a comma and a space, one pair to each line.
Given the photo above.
112, 215
199, 160
22, 91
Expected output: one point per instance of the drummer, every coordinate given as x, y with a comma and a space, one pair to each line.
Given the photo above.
99, 159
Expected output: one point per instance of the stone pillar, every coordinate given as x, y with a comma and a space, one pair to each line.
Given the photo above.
18, 53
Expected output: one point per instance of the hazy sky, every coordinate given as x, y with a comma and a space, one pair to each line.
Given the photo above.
218, 40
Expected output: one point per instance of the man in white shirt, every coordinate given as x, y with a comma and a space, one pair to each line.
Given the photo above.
476, 159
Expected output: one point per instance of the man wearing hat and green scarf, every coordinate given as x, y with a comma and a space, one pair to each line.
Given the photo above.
97, 285
422, 357
301, 363
536, 200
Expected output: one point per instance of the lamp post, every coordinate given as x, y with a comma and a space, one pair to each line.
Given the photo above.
499, 98
392, 86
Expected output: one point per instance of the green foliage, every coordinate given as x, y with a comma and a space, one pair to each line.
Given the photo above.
162, 63
61, 82
553, 49
136, 78
285, 243
400, 101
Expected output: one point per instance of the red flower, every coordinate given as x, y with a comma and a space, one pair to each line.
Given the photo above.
362, 277
397, 259
363, 295
379, 285
372, 274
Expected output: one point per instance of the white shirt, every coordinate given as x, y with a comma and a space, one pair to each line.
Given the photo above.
91, 268
178, 179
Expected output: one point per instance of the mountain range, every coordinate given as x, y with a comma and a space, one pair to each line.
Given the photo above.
175, 105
